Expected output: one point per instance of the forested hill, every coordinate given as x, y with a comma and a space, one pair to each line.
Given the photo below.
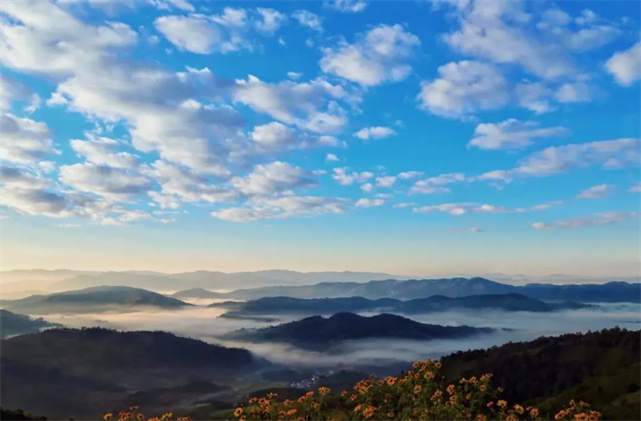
599, 367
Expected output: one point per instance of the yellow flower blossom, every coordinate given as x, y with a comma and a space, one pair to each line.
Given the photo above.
238, 412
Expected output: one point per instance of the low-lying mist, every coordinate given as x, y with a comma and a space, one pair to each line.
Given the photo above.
203, 323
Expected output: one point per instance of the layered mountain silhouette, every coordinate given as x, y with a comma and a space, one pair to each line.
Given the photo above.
452, 287
77, 372
435, 303
319, 333
12, 324
95, 299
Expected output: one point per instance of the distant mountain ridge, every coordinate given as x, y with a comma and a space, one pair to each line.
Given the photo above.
435, 303
64, 280
318, 333
610, 292
93, 299
12, 324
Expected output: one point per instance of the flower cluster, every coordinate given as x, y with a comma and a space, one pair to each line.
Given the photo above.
418, 394
133, 414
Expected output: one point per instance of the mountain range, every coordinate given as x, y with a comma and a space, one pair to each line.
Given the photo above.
12, 324
435, 303
452, 287
26, 281
321, 334
92, 300
81, 372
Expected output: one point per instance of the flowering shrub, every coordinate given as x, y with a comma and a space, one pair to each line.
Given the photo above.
418, 394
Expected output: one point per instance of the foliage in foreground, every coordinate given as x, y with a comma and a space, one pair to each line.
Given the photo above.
418, 394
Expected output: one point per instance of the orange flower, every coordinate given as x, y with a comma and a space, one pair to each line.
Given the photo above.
323, 390
108, 416
417, 389
271, 395
315, 405
242, 418
436, 395
238, 412
309, 394
353, 398
140, 417
369, 412
559, 415
390, 380
481, 417
390, 414
490, 404
511, 417
344, 393
501, 403
357, 408
133, 408
451, 389
291, 412
519, 409
253, 400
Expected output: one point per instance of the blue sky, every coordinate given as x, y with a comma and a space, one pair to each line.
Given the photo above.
427, 138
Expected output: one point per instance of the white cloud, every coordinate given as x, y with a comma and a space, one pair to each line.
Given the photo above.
374, 132
294, 75
228, 32
385, 181
276, 136
24, 140
511, 134
308, 19
272, 178
113, 183
103, 151
369, 203
597, 192
310, 105
330, 157
574, 92
608, 154
282, 207
272, 20
457, 209
367, 187
604, 218
406, 175
534, 96
434, 185
404, 205
377, 57
496, 175
625, 65
345, 179
12, 90
500, 32
464, 88
349, 6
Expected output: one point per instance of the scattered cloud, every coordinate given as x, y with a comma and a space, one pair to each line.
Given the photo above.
309, 20
367, 187
386, 181
346, 179
625, 65
636, 188
24, 140
381, 55
601, 191
604, 218
283, 207
272, 178
347, 6
437, 184
374, 132
330, 157
511, 134
464, 88
369, 203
